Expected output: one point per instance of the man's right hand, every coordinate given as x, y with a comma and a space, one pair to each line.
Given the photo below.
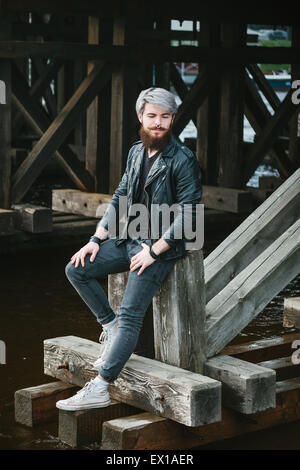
90, 247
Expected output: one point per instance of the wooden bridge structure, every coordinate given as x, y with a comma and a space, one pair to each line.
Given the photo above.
71, 72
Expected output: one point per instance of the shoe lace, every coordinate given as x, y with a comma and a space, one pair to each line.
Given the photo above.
86, 389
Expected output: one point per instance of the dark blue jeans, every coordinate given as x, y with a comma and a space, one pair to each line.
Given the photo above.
139, 292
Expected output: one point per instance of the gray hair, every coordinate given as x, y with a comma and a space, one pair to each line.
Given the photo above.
158, 96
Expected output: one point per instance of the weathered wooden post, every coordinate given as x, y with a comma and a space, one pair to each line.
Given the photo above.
179, 315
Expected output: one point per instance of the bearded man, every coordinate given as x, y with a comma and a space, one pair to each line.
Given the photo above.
159, 170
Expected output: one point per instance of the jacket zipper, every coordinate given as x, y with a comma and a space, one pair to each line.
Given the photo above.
157, 174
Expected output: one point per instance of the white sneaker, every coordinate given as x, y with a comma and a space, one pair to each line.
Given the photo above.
90, 396
106, 337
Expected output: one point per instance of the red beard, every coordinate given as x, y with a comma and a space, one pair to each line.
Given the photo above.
152, 142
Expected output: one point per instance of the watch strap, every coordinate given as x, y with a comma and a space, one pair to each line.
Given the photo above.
154, 255
96, 240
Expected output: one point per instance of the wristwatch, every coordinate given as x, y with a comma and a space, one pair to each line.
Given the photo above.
96, 240
154, 255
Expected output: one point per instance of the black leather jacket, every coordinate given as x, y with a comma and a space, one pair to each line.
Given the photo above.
175, 177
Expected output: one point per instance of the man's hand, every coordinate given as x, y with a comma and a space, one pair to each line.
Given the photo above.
90, 247
142, 258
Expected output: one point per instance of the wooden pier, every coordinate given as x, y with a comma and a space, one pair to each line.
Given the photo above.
70, 73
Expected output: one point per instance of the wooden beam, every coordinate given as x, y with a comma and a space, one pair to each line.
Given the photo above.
252, 289
7, 221
284, 367
36, 405
230, 141
97, 122
80, 202
263, 349
5, 121
264, 85
253, 236
291, 312
226, 199
267, 138
149, 54
33, 219
258, 115
39, 121
247, 388
294, 140
164, 390
79, 428
58, 130
179, 315
145, 431
195, 97
208, 115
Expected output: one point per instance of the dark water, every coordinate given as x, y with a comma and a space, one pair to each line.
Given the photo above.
37, 302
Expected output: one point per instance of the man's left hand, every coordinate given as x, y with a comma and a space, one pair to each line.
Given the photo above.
142, 258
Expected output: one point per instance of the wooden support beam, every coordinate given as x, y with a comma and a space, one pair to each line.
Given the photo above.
97, 121
200, 89
264, 85
264, 349
252, 289
269, 182
58, 130
36, 405
149, 54
208, 115
253, 236
226, 199
79, 428
230, 142
40, 122
267, 138
179, 315
8, 219
258, 115
33, 219
284, 367
145, 431
80, 202
246, 387
164, 390
5, 121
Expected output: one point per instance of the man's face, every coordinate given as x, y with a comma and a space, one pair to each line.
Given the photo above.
156, 124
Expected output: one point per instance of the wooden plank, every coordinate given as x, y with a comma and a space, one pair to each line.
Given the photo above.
269, 182
246, 387
294, 141
164, 390
283, 366
264, 349
145, 431
8, 219
264, 85
58, 130
252, 289
253, 236
179, 315
226, 199
79, 202
35, 405
34, 219
79, 428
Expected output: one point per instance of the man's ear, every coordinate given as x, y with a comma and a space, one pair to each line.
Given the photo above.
140, 118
